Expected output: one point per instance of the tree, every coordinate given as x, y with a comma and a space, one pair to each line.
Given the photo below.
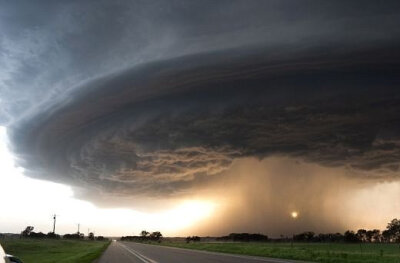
156, 236
377, 237
386, 236
37, 235
53, 235
28, 230
362, 235
350, 236
369, 236
74, 236
91, 236
144, 233
305, 236
193, 238
373, 235
244, 237
196, 238
393, 229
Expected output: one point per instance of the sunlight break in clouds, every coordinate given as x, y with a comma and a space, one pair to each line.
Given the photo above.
287, 195
26, 201
320, 195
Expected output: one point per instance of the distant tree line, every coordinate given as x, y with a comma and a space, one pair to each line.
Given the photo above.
29, 233
193, 238
144, 236
390, 234
243, 237
76, 236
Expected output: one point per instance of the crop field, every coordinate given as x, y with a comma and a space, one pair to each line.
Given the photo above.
52, 251
313, 252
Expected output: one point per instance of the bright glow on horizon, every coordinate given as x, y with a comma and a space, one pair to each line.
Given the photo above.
187, 213
26, 201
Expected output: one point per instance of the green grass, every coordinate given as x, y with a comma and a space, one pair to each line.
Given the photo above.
314, 252
52, 251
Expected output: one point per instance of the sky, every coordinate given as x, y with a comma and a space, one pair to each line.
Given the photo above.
32, 202
200, 117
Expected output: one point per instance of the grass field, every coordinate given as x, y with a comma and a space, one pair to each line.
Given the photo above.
315, 252
52, 251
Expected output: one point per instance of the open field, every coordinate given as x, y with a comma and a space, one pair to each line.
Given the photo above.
52, 251
315, 252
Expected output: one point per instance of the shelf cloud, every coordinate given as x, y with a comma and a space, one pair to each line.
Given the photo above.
162, 100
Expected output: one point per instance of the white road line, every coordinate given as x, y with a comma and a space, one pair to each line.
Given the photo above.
138, 255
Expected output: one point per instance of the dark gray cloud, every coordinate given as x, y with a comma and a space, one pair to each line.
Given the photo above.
149, 98
49, 48
158, 128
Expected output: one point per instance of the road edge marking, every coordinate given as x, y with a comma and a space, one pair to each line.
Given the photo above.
137, 254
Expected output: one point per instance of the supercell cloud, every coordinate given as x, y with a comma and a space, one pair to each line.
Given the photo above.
149, 99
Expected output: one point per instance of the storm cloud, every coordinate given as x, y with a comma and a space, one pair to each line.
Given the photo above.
157, 127
160, 100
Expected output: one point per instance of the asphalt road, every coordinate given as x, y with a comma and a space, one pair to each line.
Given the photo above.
130, 252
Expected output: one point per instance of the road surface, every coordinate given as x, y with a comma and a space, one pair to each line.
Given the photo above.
130, 252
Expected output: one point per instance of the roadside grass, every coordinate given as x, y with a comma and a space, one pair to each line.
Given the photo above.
52, 251
313, 252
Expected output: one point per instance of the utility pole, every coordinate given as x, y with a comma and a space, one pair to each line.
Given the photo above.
54, 223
